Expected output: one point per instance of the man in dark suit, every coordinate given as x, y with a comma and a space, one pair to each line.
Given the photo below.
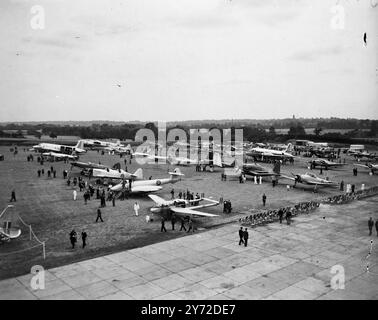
241, 236
245, 236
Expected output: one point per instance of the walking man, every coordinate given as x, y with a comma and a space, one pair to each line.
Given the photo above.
13, 196
241, 236
264, 199
163, 225
84, 238
173, 221
136, 208
173, 193
376, 226
99, 215
190, 225
73, 238
183, 225
280, 215
245, 236
370, 225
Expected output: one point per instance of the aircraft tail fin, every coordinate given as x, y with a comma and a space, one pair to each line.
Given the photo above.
289, 147
176, 173
116, 166
80, 145
138, 174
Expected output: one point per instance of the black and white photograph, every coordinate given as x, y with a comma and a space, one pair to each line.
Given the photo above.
192, 153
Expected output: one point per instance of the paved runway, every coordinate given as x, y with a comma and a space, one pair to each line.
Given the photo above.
281, 262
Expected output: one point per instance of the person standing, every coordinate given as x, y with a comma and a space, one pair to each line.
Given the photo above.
264, 199
241, 236
245, 237
163, 225
73, 238
183, 224
370, 225
136, 208
280, 215
13, 196
84, 238
173, 193
113, 200
376, 226
74, 194
191, 227
99, 215
173, 221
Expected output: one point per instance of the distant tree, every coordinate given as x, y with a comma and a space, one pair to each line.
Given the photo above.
53, 135
317, 131
296, 131
272, 131
38, 135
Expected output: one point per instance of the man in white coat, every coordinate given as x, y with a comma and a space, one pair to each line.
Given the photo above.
74, 194
136, 208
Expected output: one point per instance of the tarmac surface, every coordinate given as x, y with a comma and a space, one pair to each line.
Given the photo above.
281, 262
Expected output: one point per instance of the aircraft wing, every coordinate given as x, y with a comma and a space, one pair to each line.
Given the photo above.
145, 189
190, 211
257, 173
287, 177
361, 165
158, 200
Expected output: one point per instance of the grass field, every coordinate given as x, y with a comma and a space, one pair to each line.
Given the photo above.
47, 204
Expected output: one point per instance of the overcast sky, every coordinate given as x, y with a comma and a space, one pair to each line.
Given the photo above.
187, 59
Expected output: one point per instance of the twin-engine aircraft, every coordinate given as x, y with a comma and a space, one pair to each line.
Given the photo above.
142, 186
181, 206
60, 150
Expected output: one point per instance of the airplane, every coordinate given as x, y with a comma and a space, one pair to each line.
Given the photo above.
310, 179
116, 174
120, 150
370, 166
251, 169
88, 165
270, 153
181, 206
7, 232
59, 156
100, 145
147, 185
363, 154
51, 147
325, 163
171, 159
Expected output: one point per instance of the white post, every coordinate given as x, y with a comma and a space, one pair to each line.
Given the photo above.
30, 233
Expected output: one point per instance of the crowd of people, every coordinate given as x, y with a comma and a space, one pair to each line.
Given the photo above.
286, 213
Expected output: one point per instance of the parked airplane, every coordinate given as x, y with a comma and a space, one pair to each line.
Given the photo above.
270, 153
363, 154
47, 147
59, 156
147, 185
181, 206
310, 179
100, 145
116, 174
325, 163
88, 165
370, 166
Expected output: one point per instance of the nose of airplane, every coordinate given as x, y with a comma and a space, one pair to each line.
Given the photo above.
155, 210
